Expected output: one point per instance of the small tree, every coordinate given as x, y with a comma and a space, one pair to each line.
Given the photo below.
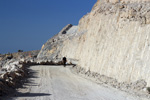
20, 50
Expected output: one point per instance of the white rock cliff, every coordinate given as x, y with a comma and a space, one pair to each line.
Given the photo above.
115, 40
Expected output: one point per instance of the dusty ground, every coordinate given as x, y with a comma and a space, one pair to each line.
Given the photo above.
59, 83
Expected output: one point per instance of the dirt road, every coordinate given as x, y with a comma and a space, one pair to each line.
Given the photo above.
59, 83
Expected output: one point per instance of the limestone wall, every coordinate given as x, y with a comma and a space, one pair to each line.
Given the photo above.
116, 42
115, 1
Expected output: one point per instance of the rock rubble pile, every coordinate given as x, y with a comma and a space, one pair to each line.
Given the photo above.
13, 71
11, 76
137, 87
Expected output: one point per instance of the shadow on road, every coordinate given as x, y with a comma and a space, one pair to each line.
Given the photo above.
31, 94
27, 81
24, 95
23, 84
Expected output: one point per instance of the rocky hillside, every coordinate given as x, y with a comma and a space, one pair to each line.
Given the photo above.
18, 55
52, 48
113, 40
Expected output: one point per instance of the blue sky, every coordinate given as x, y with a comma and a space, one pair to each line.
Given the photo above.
28, 24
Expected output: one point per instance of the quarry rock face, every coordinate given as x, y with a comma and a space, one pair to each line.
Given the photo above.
117, 1
112, 40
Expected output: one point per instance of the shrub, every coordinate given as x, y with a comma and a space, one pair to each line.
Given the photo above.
20, 50
148, 89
